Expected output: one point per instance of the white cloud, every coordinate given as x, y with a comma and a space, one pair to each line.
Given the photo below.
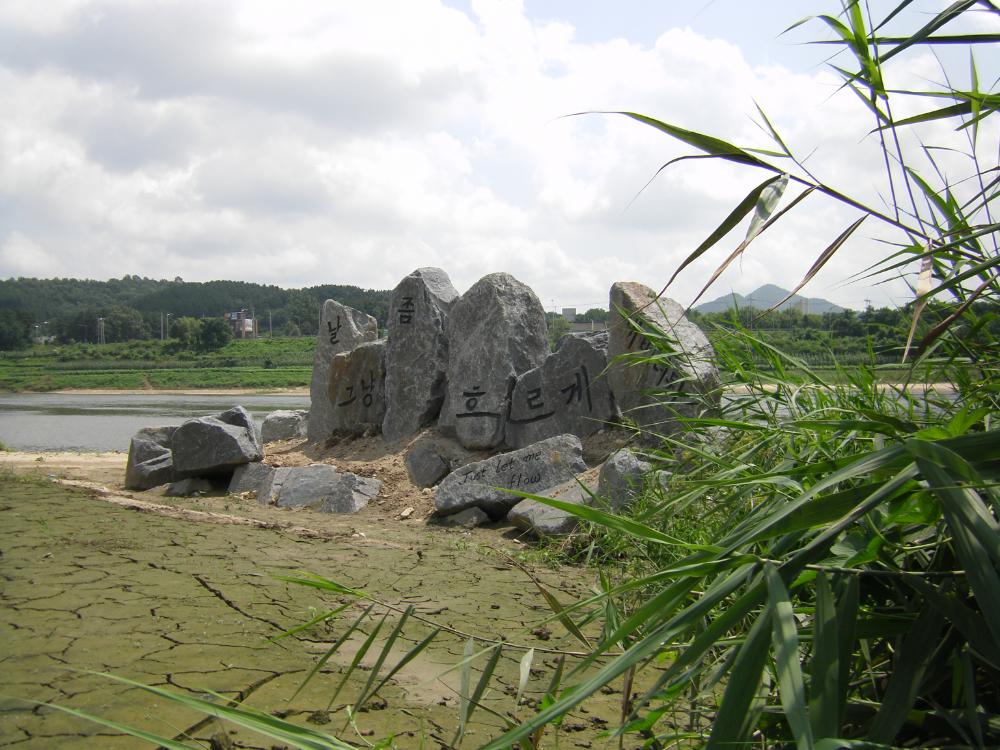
350, 143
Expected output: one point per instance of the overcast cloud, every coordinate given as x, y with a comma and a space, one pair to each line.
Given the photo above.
342, 142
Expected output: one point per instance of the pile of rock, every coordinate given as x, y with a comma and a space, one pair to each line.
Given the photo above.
477, 368
224, 451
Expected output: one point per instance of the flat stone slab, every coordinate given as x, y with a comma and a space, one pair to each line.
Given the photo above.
533, 469
496, 331
417, 352
318, 487
569, 393
341, 328
684, 383
284, 424
543, 520
357, 390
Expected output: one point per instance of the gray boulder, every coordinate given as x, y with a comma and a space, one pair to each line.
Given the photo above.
621, 479
284, 424
357, 390
249, 477
240, 417
533, 469
417, 352
210, 446
496, 331
150, 463
318, 487
683, 383
425, 464
341, 328
569, 393
544, 520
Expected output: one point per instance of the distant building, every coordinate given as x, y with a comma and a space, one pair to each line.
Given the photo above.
569, 313
242, 323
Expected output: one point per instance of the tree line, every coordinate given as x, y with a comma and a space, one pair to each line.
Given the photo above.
133, 307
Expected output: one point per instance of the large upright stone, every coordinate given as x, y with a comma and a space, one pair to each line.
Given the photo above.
341, 328
357, 390
496, 331
417, 353
681, 383
568, 393
533, 469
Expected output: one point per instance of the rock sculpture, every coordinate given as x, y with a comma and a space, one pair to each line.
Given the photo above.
417, 353
341, 328
654, 395
568, 393
496, 331
357, 390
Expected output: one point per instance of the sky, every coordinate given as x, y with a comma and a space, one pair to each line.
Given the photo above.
333, 142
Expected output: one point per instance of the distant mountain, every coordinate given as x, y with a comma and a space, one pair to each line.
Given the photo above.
767, 295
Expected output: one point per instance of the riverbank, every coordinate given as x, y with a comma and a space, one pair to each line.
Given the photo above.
292, 391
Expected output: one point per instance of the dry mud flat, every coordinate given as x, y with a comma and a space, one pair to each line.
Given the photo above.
186, 604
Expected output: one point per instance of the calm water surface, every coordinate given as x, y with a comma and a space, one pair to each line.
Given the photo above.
65, 421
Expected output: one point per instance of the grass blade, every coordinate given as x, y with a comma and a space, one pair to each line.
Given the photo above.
785, 637
825, 700
524, 674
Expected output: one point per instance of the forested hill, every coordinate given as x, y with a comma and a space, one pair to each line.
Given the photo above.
69, 308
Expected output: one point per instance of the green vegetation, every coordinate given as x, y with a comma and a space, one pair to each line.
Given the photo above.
245, 363
68, 310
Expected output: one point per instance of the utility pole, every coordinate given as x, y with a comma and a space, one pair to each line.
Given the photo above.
161, 325
270, 329
100, 331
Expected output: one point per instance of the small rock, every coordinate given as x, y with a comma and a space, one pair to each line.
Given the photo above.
188, 487
284, 424
468, 518
406, 513
543, 520
621, 479
424, 463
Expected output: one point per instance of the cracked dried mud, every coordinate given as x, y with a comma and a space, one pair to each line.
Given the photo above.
184, 596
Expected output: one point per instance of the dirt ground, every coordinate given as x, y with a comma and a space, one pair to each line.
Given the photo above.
182, 593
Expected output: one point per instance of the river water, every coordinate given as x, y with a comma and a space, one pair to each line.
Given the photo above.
88, 422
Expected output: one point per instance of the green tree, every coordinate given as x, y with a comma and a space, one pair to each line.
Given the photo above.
124, 324
187, 331
215, 334
593, 315
15, 329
